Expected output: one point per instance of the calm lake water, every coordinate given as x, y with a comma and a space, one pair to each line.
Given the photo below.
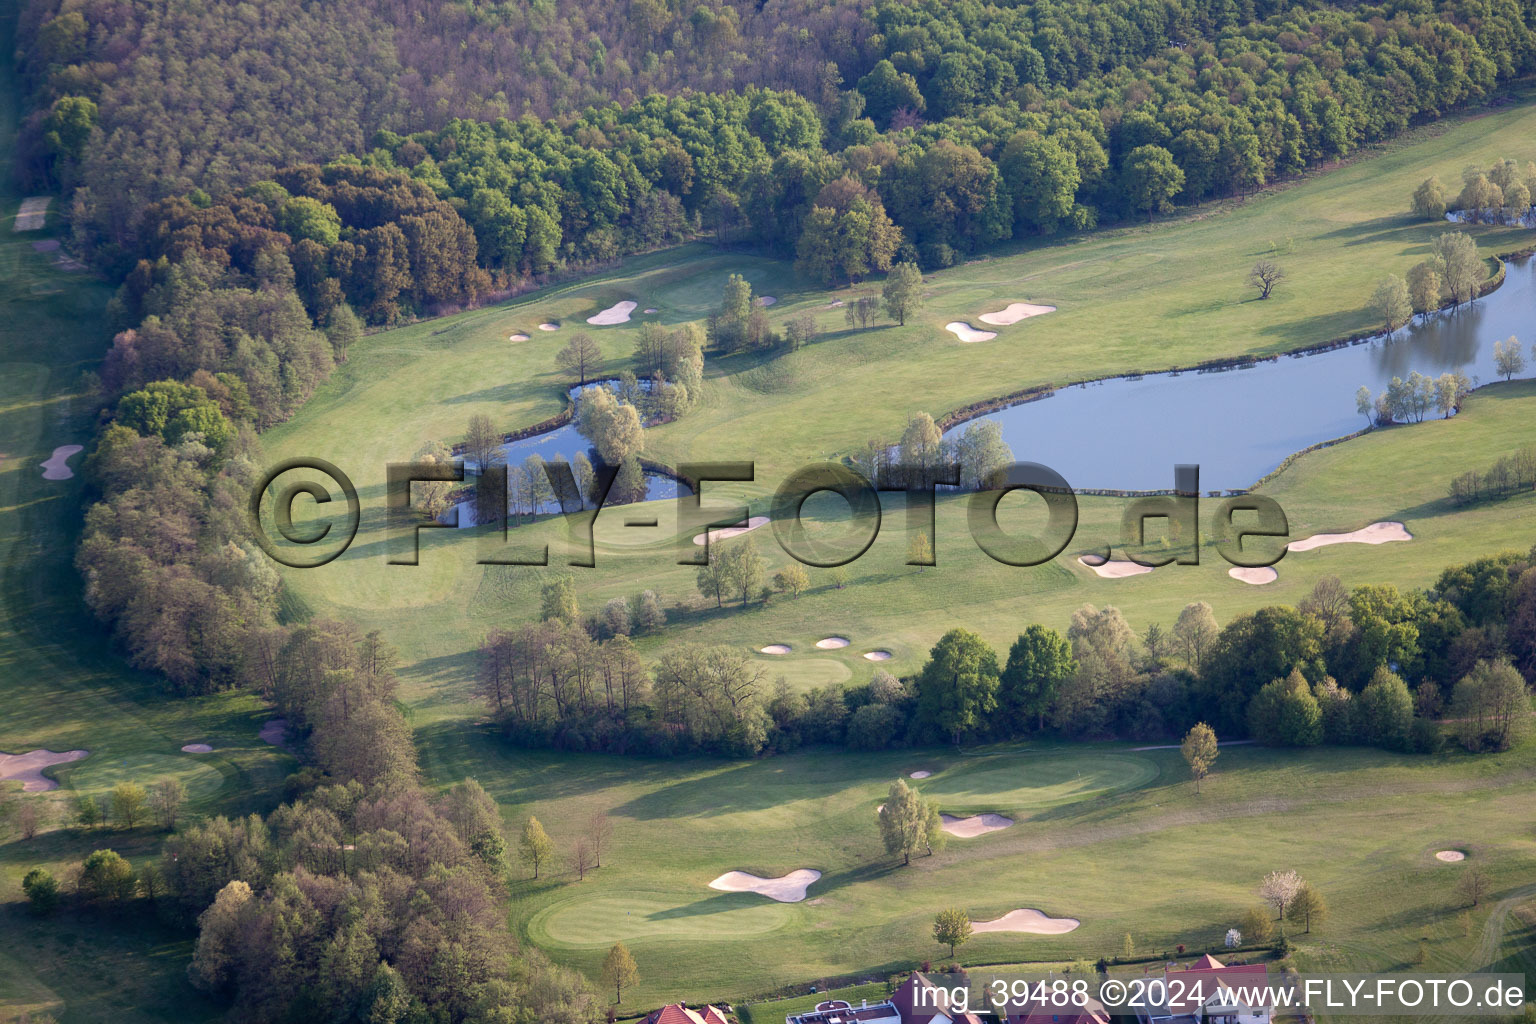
562, 442
1239, 424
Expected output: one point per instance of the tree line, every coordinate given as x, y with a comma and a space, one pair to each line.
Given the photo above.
1370, 665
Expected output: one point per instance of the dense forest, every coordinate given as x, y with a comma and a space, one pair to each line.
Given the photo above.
1010, 119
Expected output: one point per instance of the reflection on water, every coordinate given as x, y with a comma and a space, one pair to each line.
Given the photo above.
560, 443
1240, 424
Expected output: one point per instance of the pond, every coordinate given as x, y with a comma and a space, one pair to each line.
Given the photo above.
1238, 424
560, 442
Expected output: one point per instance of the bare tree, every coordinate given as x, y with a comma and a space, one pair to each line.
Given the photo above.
599, 834
1279, 889
1264, 276
482, 443
582, 859
1473, 886
29, 819
579, 357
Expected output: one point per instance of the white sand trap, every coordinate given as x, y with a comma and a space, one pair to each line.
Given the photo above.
519, 336
275, 732
965, 332
766, 300
1257, 576
877, 655
1376, 533
920, 774
28, 768
975, 825
56, 468
1015, 312
1114, 569
197, 748
551, 326
788, 888
1027, 920
1450, 856
651, 309
832, 643
618, 313
834, 304
727, 532
775, 649
33, 213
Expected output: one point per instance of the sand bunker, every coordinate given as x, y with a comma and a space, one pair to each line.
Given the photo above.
965, 332
920, 774
834, 304
788, 888
1376, 533
975, 825
877, 655
1450, 856
28, 768
727, 532
1015, 312
766, 300
197, 748
832, 643
775, 649
1257, 576
275, 732
551, 326
55, 467
519, 336
33, 213
618, 313
1113, 570
1027, 920
651, 309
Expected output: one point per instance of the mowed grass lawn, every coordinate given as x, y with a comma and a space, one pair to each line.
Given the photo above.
1143, 297
1112, 836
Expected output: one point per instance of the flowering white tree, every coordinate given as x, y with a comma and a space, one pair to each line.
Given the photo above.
1279, 888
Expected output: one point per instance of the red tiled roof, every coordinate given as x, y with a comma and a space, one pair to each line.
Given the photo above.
1092, 1013
677, 1013
906, 996
1205, 963
1248, 975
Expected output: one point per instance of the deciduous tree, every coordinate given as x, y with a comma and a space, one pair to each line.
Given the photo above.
534, 846
620, 971
952, 928
1200, 751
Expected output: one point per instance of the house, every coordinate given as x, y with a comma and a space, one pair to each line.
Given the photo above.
680, 1013
1210, 992
838, 1011
919, 1001
1091, 1012
915, 1001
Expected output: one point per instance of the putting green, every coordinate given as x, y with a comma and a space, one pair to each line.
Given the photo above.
804, 673
1020, 786
95, 775
601, 919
